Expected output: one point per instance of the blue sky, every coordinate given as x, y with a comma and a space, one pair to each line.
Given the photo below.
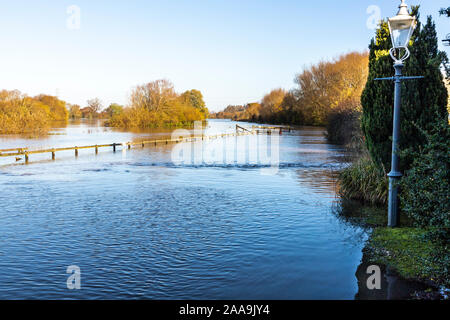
233, 51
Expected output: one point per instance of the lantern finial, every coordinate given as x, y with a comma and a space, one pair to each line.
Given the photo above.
403, 9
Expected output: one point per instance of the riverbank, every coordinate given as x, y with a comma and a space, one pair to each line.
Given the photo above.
419, 263
410, 253
414, 255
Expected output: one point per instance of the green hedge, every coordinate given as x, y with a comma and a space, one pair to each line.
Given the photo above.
425, 189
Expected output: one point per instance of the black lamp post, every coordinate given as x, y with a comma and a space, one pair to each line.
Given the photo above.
401, 28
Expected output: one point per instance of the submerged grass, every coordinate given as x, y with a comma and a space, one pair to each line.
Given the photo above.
416, 254
411, 252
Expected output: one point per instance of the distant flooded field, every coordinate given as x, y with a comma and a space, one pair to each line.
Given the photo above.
139, 225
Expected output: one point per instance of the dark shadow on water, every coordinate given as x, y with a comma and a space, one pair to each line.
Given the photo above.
357, 214
363, 215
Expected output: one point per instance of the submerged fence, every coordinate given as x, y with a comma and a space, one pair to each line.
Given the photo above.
17, 152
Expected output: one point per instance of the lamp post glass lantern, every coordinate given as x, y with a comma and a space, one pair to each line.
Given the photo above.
401, 28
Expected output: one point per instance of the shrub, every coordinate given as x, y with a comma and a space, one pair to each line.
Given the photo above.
22, 114
343, 123
58, 110
75, 112
425, 187
365, 181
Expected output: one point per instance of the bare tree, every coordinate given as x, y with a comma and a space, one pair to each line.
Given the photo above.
94, 105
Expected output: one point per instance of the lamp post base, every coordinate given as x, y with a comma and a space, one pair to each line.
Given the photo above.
393, 204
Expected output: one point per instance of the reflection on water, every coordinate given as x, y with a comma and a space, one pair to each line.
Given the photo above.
78, 133
140, 226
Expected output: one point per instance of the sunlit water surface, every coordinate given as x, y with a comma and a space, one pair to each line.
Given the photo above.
141, 226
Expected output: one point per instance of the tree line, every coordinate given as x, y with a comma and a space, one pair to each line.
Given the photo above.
320, 91
154, 104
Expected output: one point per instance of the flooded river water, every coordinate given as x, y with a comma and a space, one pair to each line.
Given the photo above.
139, 225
